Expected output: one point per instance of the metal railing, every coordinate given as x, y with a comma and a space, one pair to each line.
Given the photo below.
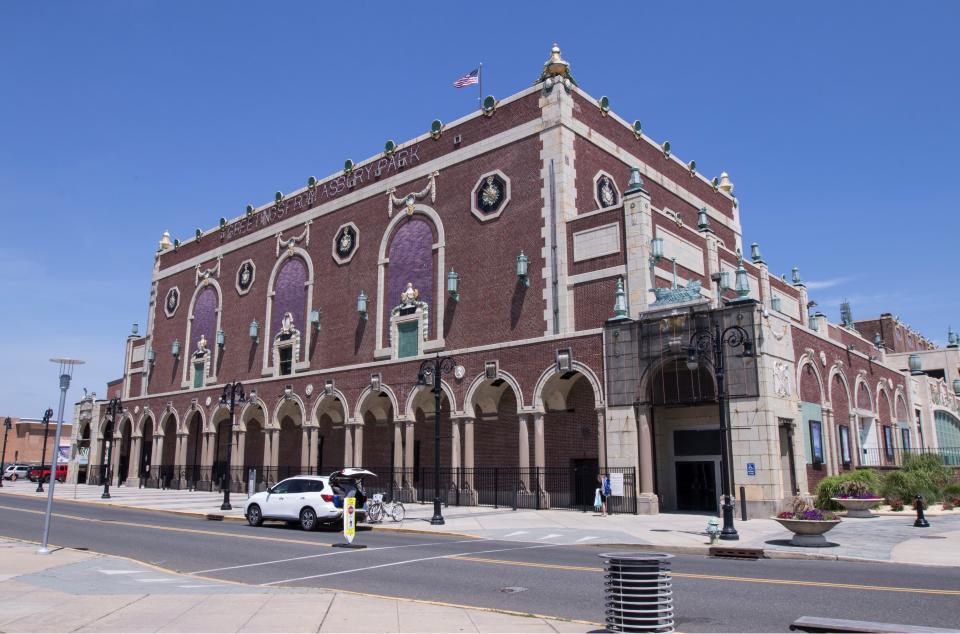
893, 456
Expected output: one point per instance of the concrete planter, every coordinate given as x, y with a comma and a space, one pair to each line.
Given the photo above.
807, 532
858, 507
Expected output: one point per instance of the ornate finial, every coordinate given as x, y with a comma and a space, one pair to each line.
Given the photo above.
620, 301
635, 184
846, 315
725, 184
953, 339
796, 277
165, 241
556, 66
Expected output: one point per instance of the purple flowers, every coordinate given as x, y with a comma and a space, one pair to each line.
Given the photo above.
812, 515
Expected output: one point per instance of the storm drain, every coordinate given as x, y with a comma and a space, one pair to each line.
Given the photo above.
513, 589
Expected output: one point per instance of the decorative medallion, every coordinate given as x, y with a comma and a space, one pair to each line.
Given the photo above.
246, 274
345, 243
309, 389
205, 274
172, 301
490, 195
291, 243
605, 191
208, 401
410, 200
823, 359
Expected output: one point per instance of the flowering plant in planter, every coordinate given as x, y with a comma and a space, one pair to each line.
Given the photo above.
854, 490
814, 515
807, 523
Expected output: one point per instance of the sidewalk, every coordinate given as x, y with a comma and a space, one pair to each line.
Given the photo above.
73, 591
889, 537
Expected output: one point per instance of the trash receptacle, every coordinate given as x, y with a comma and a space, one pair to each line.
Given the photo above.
638, 592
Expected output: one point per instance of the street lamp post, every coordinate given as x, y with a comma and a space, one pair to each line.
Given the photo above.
232, 394
7, 424
43, 454
706, 342
66, 372
114, 407
433, 370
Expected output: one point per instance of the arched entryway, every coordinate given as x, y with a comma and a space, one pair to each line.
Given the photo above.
330, 416
290, 439
193, 456
374, 435
146, 451
83, 454
497, 452
124, 446
422, 463
168, 453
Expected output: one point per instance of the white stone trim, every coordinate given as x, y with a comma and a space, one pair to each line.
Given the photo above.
477, 212
356, 244
596, 180
551, 370
367, 392
417, 389
344, 404
253, 276
596, 242
580, 278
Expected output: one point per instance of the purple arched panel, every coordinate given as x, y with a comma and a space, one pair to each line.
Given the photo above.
290, 295
204, 318
411, 260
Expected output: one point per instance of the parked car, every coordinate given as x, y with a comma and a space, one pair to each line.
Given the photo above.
307, 499
42, 472
16, 471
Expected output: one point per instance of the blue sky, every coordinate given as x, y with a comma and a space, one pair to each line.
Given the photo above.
836, 121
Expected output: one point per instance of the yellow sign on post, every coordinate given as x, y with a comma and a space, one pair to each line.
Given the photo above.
350, 518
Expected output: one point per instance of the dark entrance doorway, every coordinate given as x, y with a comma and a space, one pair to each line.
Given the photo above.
584, 485
696, 486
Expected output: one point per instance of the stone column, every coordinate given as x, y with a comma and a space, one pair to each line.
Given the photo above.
638, 231
358, 446
238, 458
855, 440
157, 460
524, 458
397, 454
646, 450
314, 450
304, 449
348, 445
269, 471
133, 470
115, 445
408, 446
455, 473
832, 457
275, 451
539, 451
602, 439
468, 453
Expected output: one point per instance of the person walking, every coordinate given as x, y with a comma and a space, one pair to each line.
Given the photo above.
603, 492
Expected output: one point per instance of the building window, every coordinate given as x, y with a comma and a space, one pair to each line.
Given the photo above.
905, 439
888, 442
198, 374
286, 360
845, 445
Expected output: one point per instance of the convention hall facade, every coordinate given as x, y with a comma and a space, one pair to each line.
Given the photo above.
569, 266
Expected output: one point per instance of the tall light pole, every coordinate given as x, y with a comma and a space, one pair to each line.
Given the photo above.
7, 424
433, 370
705, 343
114, 407
43, 454
232, 394
66, 371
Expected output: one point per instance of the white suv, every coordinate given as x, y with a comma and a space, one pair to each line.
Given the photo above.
309, 499
16, 472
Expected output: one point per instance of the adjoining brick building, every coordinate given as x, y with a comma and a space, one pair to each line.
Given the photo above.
507, 240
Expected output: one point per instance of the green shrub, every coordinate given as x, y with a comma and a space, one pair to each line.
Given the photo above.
835, 486
907, 485
951, 491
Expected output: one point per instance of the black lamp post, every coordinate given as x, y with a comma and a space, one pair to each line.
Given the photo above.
43, 455
704, 343
232, 394
7, 424
114, 407
433, 370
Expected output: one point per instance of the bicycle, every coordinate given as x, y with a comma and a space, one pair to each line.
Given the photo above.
378, 508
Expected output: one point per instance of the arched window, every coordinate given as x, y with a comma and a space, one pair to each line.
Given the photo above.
202, 326
411, 301
288, 305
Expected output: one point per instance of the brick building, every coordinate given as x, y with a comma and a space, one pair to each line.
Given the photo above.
525, 241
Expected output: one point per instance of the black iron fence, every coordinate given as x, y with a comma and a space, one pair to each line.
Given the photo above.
511, 487
893, 456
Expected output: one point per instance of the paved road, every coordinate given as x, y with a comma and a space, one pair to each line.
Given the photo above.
559, 580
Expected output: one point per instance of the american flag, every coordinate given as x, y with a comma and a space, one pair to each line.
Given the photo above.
473, 77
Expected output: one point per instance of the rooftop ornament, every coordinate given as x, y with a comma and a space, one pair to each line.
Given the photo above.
755, 253
677, 294
725, 183
556, 71
165, 241
436, 129
703, 220
953, 339
796, 277
635, 184
620, 301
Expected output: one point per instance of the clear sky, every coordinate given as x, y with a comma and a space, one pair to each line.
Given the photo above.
837, 121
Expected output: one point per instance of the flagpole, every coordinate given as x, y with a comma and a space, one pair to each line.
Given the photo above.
480, 83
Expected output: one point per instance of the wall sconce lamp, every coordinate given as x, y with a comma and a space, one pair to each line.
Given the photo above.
725, 281
221, 339
288, 392
362, 305
453, 285
375, 383
255, 331
151, 355
564, 360
315, 319
175, 349
703, 221
743, 285
328, 387
877, 341
916, 367
522, 263
755, 253
656, 250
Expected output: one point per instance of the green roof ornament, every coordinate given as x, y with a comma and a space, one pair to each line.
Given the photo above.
436, 129
755, 253
250, 209
666, 149
223, 223
311, 182
846, 315
489, 105
692, 168
635, 184
604, 105
953, 339
389, 147
637, 129
348, 166
795, 273
716, 183
620, 301
198, 233
703, 220
278, 197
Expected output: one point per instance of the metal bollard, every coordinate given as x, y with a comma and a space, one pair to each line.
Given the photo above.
638, 592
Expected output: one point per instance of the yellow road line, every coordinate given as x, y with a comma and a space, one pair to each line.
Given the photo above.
171, 529
689, 575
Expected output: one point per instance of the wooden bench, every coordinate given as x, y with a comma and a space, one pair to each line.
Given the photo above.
820, 624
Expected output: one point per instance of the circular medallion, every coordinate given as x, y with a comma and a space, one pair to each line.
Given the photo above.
172, 301
345, 243
490, 194
606, 192
208, 401
309, 389
459, 372
245, 276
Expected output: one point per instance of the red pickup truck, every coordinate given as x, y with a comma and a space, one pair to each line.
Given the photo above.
42, 472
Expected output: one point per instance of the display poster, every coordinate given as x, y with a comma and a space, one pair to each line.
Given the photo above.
616, 484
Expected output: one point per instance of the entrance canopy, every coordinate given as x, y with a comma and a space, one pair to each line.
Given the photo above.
656, 360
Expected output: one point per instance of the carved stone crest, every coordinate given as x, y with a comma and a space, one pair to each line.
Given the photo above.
172, 301
409, 296
781, 379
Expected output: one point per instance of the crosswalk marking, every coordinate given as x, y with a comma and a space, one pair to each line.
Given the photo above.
120, 572
550, 536
514, 533
585, 539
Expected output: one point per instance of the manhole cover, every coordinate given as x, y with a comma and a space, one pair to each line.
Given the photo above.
513, 589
